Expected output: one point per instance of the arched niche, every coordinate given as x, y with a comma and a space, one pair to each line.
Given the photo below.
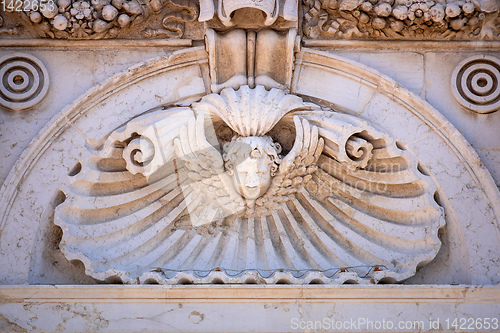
465, 188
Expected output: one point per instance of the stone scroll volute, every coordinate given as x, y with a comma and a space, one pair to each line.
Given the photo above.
250, 184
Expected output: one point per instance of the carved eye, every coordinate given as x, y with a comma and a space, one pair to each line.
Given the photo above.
255, 153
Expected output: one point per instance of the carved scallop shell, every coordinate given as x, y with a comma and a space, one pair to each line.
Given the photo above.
334, 221
250, 112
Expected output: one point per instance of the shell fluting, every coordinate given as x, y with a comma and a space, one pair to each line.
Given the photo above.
250, 112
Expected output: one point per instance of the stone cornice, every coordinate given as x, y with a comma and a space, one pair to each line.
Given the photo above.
93, 44
250, 293
492, 45
243, 308
101, 19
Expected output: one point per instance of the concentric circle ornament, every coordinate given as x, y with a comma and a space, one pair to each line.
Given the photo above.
475, 83
24, 81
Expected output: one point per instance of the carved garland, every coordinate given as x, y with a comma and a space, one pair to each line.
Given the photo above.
402, 19
97, 19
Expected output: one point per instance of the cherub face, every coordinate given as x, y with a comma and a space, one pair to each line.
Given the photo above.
252, 177
252, 162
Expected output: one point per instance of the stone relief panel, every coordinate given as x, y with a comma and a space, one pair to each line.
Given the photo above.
24, 81
475, 83
102, 19
401, 19
426, 133
31, 240
250, 184
322, 19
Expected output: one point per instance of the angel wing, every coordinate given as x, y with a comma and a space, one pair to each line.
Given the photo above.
355, 198
213, 195
143, 195
298, 166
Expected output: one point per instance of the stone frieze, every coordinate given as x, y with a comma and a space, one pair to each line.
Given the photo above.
401, 19
100, 19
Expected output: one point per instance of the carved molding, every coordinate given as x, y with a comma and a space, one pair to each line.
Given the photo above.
238, 308
24, 81
401, 19
476, 83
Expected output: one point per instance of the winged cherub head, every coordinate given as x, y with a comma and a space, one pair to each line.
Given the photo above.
252, 161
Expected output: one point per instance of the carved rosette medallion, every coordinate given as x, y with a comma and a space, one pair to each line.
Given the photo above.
24, 81
475, 83
250, 185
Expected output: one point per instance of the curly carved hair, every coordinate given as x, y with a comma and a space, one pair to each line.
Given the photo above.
242, 147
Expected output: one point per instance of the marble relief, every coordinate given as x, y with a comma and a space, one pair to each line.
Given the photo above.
474, 83
250, 182
322, 19
254, 142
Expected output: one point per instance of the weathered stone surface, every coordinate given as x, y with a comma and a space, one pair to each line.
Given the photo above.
244, 308
351, 153
413, 19
261, 185
103, 19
